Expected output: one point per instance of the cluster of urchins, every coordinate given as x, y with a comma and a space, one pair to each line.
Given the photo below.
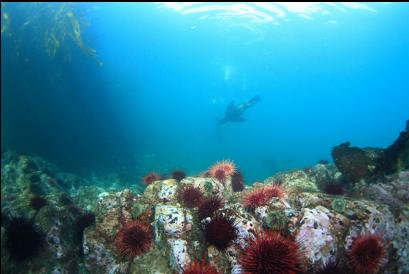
24, 238
268, 252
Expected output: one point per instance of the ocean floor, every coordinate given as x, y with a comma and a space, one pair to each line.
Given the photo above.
314, 220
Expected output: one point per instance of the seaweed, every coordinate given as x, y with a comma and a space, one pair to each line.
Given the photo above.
57, 26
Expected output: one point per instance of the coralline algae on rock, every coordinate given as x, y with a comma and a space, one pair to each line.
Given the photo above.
171, 220
208, 185
324, 225
179, 256
168, 190
295, 181
98, 256
316, 236
401, 243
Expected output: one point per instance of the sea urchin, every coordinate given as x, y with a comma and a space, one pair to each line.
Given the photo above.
274, 191
23, 239
220, 175
221, 231
178, 175
261, 196
367, 254
255, 198
197, 267
82, 222
151, 177
133, 239
334, 189
237, 182
38, 202
209, 206
270, 252
221, 170
190, 196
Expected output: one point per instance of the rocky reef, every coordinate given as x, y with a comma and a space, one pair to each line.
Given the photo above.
201, 223
351, 217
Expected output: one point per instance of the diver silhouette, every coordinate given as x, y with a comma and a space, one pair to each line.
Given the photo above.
234, 113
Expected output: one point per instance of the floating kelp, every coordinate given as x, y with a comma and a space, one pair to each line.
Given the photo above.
57, 27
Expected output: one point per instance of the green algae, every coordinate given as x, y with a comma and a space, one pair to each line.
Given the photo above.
339, 205
208, 187
276, 220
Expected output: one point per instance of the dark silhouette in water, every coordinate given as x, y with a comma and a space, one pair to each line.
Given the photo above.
354, 162
234, 113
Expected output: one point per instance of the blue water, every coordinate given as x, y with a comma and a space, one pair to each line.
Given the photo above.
325, 73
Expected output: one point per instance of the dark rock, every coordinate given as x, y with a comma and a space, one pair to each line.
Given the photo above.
396, 156
361, 163
30, 167
323, 162
353, 162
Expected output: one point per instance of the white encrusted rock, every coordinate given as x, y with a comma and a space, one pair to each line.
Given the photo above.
207, 184
373, 220
98, 257
179, 256
401, 243
316, 237
168, 190
171, 220
261, 212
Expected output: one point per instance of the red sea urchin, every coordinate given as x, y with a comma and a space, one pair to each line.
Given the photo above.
261, 196
209, 206
220, 175
223, 169
274, 191
133, 239
221, 231
255, 198
200, 268
151, 177
190, 196
367, 254
271, 253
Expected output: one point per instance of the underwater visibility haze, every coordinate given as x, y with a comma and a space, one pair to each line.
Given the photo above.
289, 119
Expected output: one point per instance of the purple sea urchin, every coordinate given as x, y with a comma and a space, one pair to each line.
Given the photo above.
178, 175
83, 222
209, 206
38, 202
221, 231
334, 189
23, 239
237, 182
190, 196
